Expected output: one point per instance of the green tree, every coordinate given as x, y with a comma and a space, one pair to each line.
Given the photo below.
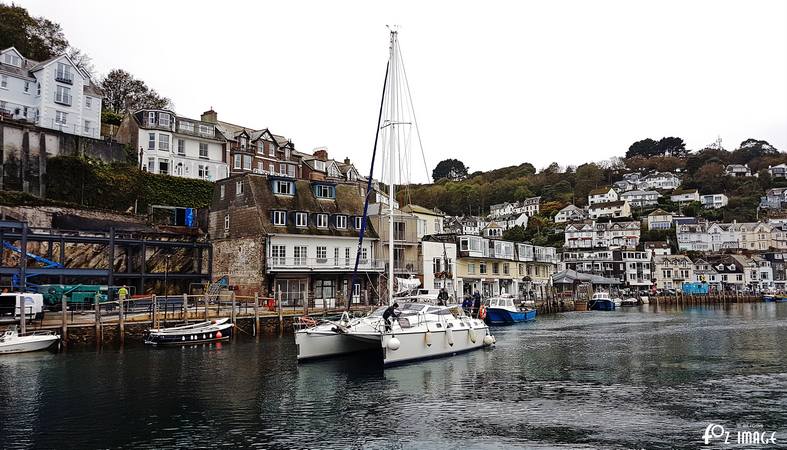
645, 148
125, 93
36, 38
452, 169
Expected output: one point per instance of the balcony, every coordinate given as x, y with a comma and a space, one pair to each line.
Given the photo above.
404, 267
297, 264
64, 77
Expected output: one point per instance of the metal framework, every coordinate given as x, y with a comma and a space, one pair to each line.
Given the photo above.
135, 244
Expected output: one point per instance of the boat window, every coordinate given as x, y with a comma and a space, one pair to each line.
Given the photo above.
439, 325
404, 323
378, 312
445, 312
412, 307
433, 310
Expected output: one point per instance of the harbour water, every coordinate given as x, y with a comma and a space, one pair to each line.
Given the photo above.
643, 377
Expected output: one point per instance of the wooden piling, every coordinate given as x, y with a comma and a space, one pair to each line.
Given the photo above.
64, 317
256, 313
281, 320
97, 307
232, 303
185, 307
121, 322
154, 310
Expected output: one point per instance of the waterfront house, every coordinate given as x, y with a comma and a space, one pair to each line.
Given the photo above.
637, 198
778, 262
692, 235
670, 272
685, 196
508, 221
656, 248
438, 258
659, 220
463, 225
570, 213
169, 144
730, 272
428, 221
630, 267
54, 94
609, 210
737, 170
609, 234
405, 239
714, 201
295, 238
602, 195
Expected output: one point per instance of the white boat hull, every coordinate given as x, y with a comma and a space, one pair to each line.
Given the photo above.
415, 346
25, 344
319, 344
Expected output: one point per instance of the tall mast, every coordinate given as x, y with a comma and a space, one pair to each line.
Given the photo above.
392, 163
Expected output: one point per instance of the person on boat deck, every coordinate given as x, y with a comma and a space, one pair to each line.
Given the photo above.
476, 303
467, 303
390, 312
442, 297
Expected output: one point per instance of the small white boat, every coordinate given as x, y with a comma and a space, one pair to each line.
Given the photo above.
644, 299
618, 302
196, 333
631, 301
12, 342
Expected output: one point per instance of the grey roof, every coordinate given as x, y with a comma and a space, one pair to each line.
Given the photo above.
569, 276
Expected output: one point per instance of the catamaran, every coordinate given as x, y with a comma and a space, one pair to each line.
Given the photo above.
422, 328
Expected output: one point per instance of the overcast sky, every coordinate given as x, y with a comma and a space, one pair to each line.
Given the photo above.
493, 83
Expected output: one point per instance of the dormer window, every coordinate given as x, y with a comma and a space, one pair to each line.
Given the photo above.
322, 220
243, 141
260, 148
319, 165
283, 187
358, 223
12, 59
151, 118
280, 218
163, 120
341, 222
324, 191
301, 219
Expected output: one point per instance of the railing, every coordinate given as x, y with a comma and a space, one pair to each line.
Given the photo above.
64, 77
328, 263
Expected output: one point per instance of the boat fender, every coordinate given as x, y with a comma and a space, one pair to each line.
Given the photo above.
218, 335
183, 338
393, 344
449, 333
489, 340
471, 334
428, 338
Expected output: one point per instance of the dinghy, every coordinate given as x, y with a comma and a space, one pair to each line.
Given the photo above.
197, 333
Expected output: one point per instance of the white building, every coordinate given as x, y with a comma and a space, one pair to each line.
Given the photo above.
714, 201
570, 213
775, 198
639, 198
531, 206
602, 235
685, 196
659, 220
428, 222
172, 145
438, 263
52, 94
602, 195
778, 171
670, 272
659, 180
609, 210
737, 170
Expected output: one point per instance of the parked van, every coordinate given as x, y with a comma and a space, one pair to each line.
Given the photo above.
10, 306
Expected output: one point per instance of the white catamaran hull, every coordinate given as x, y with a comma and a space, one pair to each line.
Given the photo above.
318, 344
414, 346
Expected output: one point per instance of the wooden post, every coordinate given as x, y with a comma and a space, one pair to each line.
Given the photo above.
256, 313
154, 318
185, 307
281, 319
63, 311
232, 303
97, 307
121, 321
207, 299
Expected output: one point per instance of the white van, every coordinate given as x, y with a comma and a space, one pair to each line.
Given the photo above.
10, 301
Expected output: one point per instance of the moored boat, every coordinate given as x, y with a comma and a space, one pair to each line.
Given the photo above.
196, 333
601, 302
631, 301
502, 310
775, 298
12, 342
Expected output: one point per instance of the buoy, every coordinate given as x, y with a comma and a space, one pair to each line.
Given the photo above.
203, 336
393, 344
489, 340
218, 335
450, 335
428, 338
183, 338
471, 333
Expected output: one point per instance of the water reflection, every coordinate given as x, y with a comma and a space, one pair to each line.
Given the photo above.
646, 377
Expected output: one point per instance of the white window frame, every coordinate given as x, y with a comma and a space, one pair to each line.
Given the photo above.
301, 219
280, 218
4, 81
27, 87
87, 126
226, 222
238, 188
163, 142
222, 190
61, 117
358, 222
181, 146
279, 183
205, 146
341, 222
322, 220
63, 95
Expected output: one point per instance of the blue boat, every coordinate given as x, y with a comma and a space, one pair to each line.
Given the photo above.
601, 302
502, 311
778, 298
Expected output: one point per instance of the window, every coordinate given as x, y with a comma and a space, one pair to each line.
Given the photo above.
495, 268
322, 220
505, 268
482, 268
221, 191
87, 126
163, 120
163, 166
437, 265
319, 165
358, 223
237, 162
471, 269
151, 118
299, 252
206, 130
398, 231
64, 73
203, 150
202, 172
186, 126
4, 81
322, 254
227, 222
280, 218
341, 222
283, 187
163, 142
364, 255
238, 188
181, 147
13, 60
24, 111
324, 289
346, 256
246, 162
260, 148
278, 254
38, 88
324, 191
271, 149
63, 95
27, 87
61, 117
301, 219
272, 168
151, 165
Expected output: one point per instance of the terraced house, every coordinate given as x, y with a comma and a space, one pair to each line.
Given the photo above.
295, 238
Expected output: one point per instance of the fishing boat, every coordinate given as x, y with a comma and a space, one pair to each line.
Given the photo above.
421, 328
12, 342
503, 311
775, 298
601, 302
196, 333
631, 301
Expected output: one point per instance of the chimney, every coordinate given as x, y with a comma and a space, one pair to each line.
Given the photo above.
321, 153
209, 116
346, 161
